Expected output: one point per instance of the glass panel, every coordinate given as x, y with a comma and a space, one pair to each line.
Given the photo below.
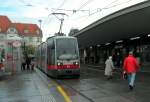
67, 48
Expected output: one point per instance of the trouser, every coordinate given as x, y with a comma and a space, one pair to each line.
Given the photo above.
131, 78
28, 66
23, 66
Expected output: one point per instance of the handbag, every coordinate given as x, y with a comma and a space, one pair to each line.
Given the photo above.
125, 75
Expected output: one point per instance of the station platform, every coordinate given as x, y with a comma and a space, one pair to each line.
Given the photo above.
92, 86
28, 86
143, 68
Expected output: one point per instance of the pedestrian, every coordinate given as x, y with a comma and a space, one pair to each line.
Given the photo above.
23, 64
130, 66
28, 62
32, 64
109, 66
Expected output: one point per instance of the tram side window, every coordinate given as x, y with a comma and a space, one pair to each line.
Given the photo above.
50, 52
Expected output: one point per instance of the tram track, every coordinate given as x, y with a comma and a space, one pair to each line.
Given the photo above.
75, 90
84, 73
67, 86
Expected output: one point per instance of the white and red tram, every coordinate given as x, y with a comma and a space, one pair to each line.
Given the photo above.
59, 56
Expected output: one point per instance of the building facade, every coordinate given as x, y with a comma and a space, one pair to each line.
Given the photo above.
12, 37
31, 34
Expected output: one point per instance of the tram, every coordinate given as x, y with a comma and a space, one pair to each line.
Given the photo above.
59, 56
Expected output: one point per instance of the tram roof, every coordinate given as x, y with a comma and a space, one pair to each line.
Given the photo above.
124, 24
60, 37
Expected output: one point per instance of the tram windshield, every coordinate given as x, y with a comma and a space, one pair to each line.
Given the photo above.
66, 49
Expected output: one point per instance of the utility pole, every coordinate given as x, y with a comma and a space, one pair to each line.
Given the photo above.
61, 21
40, 21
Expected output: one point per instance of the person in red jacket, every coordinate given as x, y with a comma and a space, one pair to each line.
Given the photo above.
130, 67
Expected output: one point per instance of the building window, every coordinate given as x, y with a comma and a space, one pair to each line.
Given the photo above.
12, 30
26, 31
30, 39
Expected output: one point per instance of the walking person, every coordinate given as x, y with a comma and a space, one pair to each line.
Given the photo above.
28, 62
32, 64
23, 64
130, 66
109, 66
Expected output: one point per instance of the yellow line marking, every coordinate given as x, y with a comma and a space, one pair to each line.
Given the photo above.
49, 85
66, 97
61, 91
59, 88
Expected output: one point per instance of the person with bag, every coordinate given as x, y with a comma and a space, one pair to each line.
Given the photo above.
130, 67
109, 67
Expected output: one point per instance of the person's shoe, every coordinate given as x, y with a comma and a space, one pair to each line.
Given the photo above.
130, 87
109, 77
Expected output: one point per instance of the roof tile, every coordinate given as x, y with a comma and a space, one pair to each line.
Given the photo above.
32, 29
4, 23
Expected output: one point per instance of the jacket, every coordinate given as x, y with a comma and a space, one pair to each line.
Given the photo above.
130, 64
108, 67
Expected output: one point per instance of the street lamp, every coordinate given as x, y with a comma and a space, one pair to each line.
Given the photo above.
40, 21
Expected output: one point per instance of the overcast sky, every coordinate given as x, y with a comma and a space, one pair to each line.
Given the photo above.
77, 13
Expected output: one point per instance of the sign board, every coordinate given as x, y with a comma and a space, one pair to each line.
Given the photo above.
16, 43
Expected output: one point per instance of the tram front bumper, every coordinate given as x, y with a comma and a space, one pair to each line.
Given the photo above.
69, 72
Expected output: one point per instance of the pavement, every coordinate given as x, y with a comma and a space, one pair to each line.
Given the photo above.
34, 86
28, 86
116, 90
143, 68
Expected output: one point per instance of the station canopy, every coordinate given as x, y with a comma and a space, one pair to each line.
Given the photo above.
129, 22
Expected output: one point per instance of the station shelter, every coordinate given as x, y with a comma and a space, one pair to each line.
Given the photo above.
11, 53
115, 35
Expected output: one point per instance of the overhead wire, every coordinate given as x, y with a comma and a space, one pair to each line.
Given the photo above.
110, 5
46, 20
116, 4
62, 4
76, 10
86, 3
106, 7
80, 8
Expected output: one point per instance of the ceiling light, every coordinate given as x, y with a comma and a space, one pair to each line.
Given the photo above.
134, 38
119, 41
98, 45
107, 43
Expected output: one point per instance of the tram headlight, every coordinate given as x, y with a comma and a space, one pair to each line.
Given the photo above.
76, 63
58, 63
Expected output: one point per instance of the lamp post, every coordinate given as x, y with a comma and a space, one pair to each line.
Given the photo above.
40, 21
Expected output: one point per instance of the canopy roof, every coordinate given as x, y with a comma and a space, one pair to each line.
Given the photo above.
129, 22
